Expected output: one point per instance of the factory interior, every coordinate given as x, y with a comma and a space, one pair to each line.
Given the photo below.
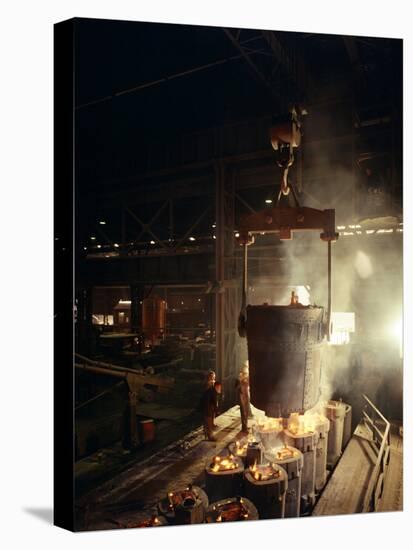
239, 249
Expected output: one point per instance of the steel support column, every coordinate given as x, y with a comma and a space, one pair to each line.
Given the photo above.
130, 438
83, 321
227, 293
136, 294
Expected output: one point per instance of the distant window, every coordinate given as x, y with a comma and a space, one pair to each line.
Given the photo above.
97, 319
101, 319
343, 323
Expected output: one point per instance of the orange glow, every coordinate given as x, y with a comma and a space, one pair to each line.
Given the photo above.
223, 464
241, 448
285, 453
299, 424
264, 472
152, 522
270, 424
230, 510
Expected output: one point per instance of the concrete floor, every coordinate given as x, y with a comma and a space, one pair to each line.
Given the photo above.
134, 494
175, 414
109, 462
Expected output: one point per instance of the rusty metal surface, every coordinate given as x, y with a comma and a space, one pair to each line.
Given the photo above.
286, 219
285, 352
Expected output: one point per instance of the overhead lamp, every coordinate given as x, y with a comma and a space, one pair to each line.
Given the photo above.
191, 238
102, 222
99, 246
268, 201
152, 242
93, 238
116, 245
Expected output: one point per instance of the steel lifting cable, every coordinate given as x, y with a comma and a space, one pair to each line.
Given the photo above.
329, 289
242, 319
244, 277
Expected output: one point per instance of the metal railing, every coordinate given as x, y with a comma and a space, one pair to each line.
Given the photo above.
380, 428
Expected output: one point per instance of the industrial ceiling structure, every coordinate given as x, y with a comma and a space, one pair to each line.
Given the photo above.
170, 99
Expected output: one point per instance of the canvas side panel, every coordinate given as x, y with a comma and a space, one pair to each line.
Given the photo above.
64, 248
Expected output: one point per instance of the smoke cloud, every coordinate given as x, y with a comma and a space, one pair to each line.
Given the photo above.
366, 275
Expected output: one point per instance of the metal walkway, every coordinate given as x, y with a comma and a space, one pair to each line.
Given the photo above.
392, 499
347, 486
345, 492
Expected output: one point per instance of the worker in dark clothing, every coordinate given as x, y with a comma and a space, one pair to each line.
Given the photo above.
210, 383
209, 405
243, 392
211, 379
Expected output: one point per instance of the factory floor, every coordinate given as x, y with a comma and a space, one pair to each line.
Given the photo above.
133, 494
171, 425
175, 415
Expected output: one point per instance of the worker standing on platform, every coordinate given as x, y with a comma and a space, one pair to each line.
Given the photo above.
209, 405
211, 379
243, 392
